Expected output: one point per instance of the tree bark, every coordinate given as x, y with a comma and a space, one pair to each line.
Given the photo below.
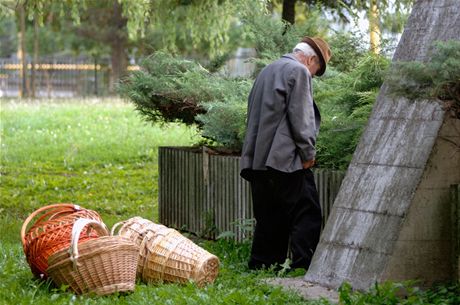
119, 58
119, 62
288, 13
374, 27
24, 88
35, 59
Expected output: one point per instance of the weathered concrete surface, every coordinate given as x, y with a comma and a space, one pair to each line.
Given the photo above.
391, 220
307, 290
423, 249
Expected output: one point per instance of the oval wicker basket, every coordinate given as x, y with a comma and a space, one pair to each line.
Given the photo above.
51, 232
98, 266
165, 255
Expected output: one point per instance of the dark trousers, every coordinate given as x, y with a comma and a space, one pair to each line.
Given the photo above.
288, 214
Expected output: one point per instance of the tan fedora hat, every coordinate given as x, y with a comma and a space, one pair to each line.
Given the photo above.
321, 48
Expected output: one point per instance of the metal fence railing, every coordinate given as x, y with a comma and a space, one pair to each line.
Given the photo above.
53, 77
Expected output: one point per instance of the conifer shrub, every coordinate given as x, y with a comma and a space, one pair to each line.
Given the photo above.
346, 100
347, 49
169, 89
225, 120
438, 78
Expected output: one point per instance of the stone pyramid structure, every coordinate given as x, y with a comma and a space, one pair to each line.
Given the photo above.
392, 217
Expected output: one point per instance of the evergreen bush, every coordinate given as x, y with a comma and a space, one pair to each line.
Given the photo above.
345, 100
225, 120
438, 78
347, 49
169, 88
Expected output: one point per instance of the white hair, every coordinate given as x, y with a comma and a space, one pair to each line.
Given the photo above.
305, 49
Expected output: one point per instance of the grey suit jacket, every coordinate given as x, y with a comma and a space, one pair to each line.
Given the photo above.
283, 120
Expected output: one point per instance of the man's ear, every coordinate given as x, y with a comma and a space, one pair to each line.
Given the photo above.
314, 58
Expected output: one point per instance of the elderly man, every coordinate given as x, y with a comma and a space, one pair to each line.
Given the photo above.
278, 152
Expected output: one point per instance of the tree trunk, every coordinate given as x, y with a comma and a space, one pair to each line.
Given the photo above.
288, 13
119, 62
374, 27
35, 59
119, 58
24, 88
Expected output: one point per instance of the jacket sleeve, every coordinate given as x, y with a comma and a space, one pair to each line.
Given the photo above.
300, 113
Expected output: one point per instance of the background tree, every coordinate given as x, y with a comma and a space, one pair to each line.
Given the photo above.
21, 17
383, 15
177, 25
290, 7
112, 34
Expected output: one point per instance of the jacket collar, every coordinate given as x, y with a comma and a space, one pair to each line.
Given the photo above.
292, 56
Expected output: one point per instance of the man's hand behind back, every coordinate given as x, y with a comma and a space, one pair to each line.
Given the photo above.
308, 164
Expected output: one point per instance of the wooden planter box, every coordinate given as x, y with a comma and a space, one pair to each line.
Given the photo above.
203, 193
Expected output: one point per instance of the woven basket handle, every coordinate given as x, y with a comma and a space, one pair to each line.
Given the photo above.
78, 227
115, 226
125, 223
36, 212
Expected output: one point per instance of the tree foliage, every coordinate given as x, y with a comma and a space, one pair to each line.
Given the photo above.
7, 37
193, 22
271, 38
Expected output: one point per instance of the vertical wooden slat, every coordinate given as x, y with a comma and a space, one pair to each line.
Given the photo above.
199, 198
182, 192
175, 187
161, 185
455, 221
196, 186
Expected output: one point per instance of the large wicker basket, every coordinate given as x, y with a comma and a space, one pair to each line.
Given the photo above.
98, 266
51, 232
165, 255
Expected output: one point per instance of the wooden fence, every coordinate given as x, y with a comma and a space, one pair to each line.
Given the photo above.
455, 221
202, 192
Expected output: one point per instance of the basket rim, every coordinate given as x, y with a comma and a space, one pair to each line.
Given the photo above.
44, 208
114, 243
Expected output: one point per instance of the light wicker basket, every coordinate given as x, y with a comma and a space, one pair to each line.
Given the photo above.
165, 255
50, 232
139, 230
98, 266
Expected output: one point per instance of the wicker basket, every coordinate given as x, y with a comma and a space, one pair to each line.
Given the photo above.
99, 266
165, 255
51, 232
139, 230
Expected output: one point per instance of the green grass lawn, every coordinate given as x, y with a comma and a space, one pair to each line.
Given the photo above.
93, 153
101, 155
